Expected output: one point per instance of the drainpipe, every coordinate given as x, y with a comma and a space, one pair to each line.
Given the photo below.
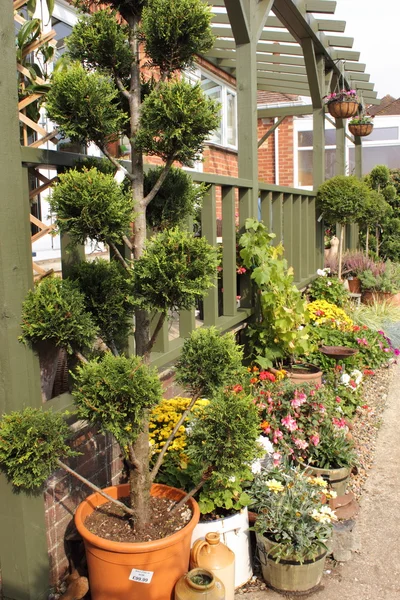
276, 144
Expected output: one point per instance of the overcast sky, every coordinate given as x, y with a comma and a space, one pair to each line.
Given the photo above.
375, 27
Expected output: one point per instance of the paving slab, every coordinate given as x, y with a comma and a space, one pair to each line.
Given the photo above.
374, 571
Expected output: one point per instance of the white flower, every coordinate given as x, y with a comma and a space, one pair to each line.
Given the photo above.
357, 376
232, 479
345, 378
328, 283
265, 444
321, 273
256, 467
324, 515
327, 270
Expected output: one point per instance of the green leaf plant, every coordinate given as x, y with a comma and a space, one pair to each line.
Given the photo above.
280, 331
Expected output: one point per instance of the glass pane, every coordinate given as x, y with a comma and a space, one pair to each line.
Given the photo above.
330, 163
231, 120
305, 138
305, 168
62, 31
380, 155
212, 89
383, 133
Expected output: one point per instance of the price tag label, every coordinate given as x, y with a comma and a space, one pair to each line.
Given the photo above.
141, 576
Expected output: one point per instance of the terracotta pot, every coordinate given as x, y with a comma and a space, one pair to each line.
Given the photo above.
354, 285
343, 110
112, 565
369, 297
314, 375
361, 129
288, 575
188, 588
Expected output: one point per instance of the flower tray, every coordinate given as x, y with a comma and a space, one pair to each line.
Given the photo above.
338, 352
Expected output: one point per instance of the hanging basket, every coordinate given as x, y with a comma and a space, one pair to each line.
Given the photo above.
342, 110
361, 129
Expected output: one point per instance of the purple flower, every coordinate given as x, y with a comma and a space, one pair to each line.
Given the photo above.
396, 352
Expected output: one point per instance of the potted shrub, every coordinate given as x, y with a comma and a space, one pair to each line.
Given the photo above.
280, 333
293, 528
342, 104
380, 282
115, 393
353, 262
342, 199
361, 125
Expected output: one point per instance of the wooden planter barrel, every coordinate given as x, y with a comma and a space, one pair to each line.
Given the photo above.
361, 129
343, 110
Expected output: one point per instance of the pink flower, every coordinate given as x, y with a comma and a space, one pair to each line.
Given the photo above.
312, 393
396, 352
289, 423
237, 388
278, 435
219, 268
301, 444
339, 422
276, 458
362, 341
314, 439
338, 400
240, 270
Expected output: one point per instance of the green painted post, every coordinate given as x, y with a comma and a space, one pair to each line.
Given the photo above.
229, 251
298, 256
23, 546
209, 231
306, 266
340, 155
266, 209
358, 157
277, 217
288, 227
315, 253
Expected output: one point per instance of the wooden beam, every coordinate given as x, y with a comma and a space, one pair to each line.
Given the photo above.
312, 72
282, 89
321, 6
282, 77
270, 131
27, 121
43, 39
344, 55
328, 25
43, 187
285, 111
260, 56
340, 41
267, 67
229, 44
28, 100
223, 19
238, 20
27, 74
47, 138
42, 233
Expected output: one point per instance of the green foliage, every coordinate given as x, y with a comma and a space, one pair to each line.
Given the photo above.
108, 298
31, 443
174, 270
85, 105
377, 314
114, 393
98, 40
334, 450
208, 362
175, 120
177, 199
174, 32
91, 204
378, 178
55, 311
279, 332
388, 281
376, 209
342, 199
224, 437
103, 165
329, 289
291, 514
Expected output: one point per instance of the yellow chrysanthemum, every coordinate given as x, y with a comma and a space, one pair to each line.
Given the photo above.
322, 312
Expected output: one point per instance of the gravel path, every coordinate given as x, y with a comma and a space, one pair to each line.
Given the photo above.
374, 571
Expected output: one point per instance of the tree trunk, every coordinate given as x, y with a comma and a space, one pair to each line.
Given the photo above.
377, 240
367, 242
139, 478
340, 252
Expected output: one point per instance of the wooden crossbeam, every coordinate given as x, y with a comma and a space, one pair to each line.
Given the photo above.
28, 100
42, 188
35, 221
18, 3
27, 74
47, 138
38, 269
42, 233
36, 173
19, 19
43, 39
27, 121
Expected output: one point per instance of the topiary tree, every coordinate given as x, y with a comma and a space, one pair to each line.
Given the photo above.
376, 211
379, 208
342, 199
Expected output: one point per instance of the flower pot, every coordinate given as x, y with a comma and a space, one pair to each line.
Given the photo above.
288, 575
115, 568
302, 373
188, 587
361, 129
336, 478
369, 297
354, 285
235, 534
342, 110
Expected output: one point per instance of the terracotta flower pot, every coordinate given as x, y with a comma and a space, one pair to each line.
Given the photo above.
369, 297
288, 575
342, 109
302, 373
113, 565
354, 285
361, 129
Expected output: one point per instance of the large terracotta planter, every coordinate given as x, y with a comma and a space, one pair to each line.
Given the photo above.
342, 110
302, 373
369, 297
112, 565
354, 285
361, 129
288, 575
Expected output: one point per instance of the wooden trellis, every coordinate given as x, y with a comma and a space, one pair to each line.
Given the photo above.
41, 134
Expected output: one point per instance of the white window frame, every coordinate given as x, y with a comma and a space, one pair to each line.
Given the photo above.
194, 76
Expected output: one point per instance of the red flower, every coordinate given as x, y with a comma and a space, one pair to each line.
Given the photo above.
237, 388
241, 270
266, 375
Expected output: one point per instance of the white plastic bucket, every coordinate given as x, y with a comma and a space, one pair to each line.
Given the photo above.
235, 534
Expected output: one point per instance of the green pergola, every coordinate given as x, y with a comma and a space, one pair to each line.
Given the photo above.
272, 45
